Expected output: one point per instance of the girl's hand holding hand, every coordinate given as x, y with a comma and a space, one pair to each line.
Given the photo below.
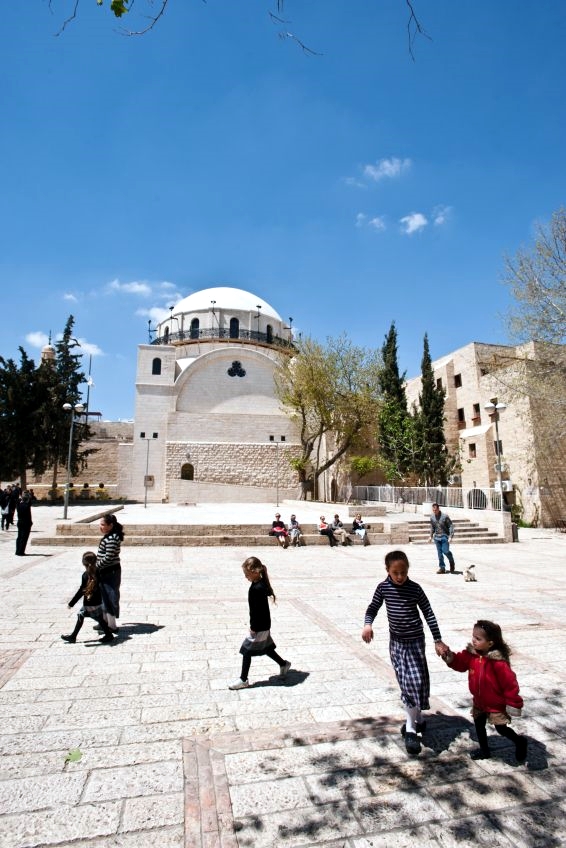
367, 633
441, 649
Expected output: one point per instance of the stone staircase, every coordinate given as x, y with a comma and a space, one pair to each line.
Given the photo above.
465, 532
193, 535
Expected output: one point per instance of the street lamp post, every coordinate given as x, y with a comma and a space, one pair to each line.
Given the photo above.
273, 439
146, 439
78, 408
494, 408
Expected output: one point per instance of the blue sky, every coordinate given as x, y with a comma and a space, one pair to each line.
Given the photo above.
348, 189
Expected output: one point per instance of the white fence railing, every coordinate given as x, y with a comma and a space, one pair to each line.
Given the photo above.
404, 497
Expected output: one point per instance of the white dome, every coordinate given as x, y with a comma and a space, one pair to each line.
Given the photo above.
226, 299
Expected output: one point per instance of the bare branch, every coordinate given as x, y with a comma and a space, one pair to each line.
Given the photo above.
414, 28
71, 17
153, 20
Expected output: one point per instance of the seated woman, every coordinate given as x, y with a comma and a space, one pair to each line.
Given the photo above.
295, 532
325, 530
279, 530
360, 529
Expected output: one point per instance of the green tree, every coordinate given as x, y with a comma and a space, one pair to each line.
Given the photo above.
432, 461
23, 394
395, 426
332, 392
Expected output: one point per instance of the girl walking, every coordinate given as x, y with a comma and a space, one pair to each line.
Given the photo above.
259, 641
89, 591
403, 598
109, 567
493, 686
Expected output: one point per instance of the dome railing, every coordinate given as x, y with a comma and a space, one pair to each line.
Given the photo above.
194, 335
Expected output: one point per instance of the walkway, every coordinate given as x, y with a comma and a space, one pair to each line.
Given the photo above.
141, 743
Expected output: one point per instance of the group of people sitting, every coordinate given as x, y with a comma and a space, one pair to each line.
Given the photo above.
292, 534
337, 534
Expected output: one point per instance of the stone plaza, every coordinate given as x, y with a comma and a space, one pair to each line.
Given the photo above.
141, 743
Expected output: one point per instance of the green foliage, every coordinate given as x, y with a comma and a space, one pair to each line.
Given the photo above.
432, 461
396, 436
119, 7
333, 393
363, 465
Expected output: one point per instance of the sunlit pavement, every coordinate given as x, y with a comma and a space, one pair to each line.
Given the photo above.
164, 754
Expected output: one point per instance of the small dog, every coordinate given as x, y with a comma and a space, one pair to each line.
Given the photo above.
469, 575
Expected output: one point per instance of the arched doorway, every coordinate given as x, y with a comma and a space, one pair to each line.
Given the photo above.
234, 328
187, 471
195, 325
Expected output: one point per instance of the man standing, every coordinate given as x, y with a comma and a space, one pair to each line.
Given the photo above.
442, 531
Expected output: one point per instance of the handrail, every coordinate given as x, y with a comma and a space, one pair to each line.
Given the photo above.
195, 335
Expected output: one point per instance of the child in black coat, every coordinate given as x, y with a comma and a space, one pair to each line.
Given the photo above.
89, 590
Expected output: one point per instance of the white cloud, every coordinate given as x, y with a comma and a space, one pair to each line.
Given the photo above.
360, 219
413, 223
155, 313
354, 182
37, 339
71, 297
440, 215
135, 287
386, 168
378, 223
89, 348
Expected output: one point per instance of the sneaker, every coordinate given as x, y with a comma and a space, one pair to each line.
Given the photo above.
106, 639
284, 669
441, 571
452, 570
239, 684
480, 754
521, 749
72, 639
412, 744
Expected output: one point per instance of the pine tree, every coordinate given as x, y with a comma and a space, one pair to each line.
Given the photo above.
432, 459
394, 424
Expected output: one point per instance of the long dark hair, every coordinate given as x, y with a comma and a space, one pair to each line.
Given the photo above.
253, 565
89, 562
494, 634
110, 519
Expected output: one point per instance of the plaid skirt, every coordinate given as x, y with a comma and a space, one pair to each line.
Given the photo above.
409, 663
255, 646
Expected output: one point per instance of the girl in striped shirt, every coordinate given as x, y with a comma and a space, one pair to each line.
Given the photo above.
403, 598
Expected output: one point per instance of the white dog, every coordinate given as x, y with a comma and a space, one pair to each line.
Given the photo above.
469, 575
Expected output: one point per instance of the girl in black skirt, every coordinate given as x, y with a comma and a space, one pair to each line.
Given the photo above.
259, 641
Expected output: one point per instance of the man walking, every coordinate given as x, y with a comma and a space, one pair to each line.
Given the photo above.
442, 531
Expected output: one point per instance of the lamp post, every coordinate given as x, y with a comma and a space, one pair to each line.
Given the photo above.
78, 408
494, 408
273, 439
146, 477
258, 305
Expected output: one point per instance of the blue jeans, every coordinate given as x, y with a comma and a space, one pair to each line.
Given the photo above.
443, 550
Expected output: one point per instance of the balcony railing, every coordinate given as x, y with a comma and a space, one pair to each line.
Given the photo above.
224, 334
449, 496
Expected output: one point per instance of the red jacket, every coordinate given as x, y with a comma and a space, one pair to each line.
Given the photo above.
491, 680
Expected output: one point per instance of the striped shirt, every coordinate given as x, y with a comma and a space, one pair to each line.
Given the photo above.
108, 555
402, 604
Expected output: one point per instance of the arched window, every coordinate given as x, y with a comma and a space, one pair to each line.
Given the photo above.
156, 366
269, 333
195, 324
187, 471
166, 336
234, 328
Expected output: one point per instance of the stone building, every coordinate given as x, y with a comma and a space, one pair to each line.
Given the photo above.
529, 380
207, 425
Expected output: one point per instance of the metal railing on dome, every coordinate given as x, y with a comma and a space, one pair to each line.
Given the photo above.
404, 497
194, 335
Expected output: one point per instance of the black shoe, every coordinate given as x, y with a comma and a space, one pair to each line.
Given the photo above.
420, 725
412, 744
107, 639
480, 754
521, 746
452, 570
72, 639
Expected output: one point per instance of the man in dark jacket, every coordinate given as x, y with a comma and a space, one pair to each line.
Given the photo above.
24, 524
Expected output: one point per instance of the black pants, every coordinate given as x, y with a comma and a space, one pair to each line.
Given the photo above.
22, 539
247, 661
502, 729
328, 532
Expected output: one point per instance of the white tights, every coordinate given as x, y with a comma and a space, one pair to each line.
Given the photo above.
413, 716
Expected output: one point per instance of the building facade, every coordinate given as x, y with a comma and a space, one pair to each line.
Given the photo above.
530, 380
208, 424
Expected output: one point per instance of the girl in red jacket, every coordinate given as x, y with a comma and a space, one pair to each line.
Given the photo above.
493, 686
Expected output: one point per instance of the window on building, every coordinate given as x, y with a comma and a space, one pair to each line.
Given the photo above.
156, 366
234, 328
472, 451
477, 413
457, 380
187, 471
439, 383
195, 324
461, 415
269, 334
